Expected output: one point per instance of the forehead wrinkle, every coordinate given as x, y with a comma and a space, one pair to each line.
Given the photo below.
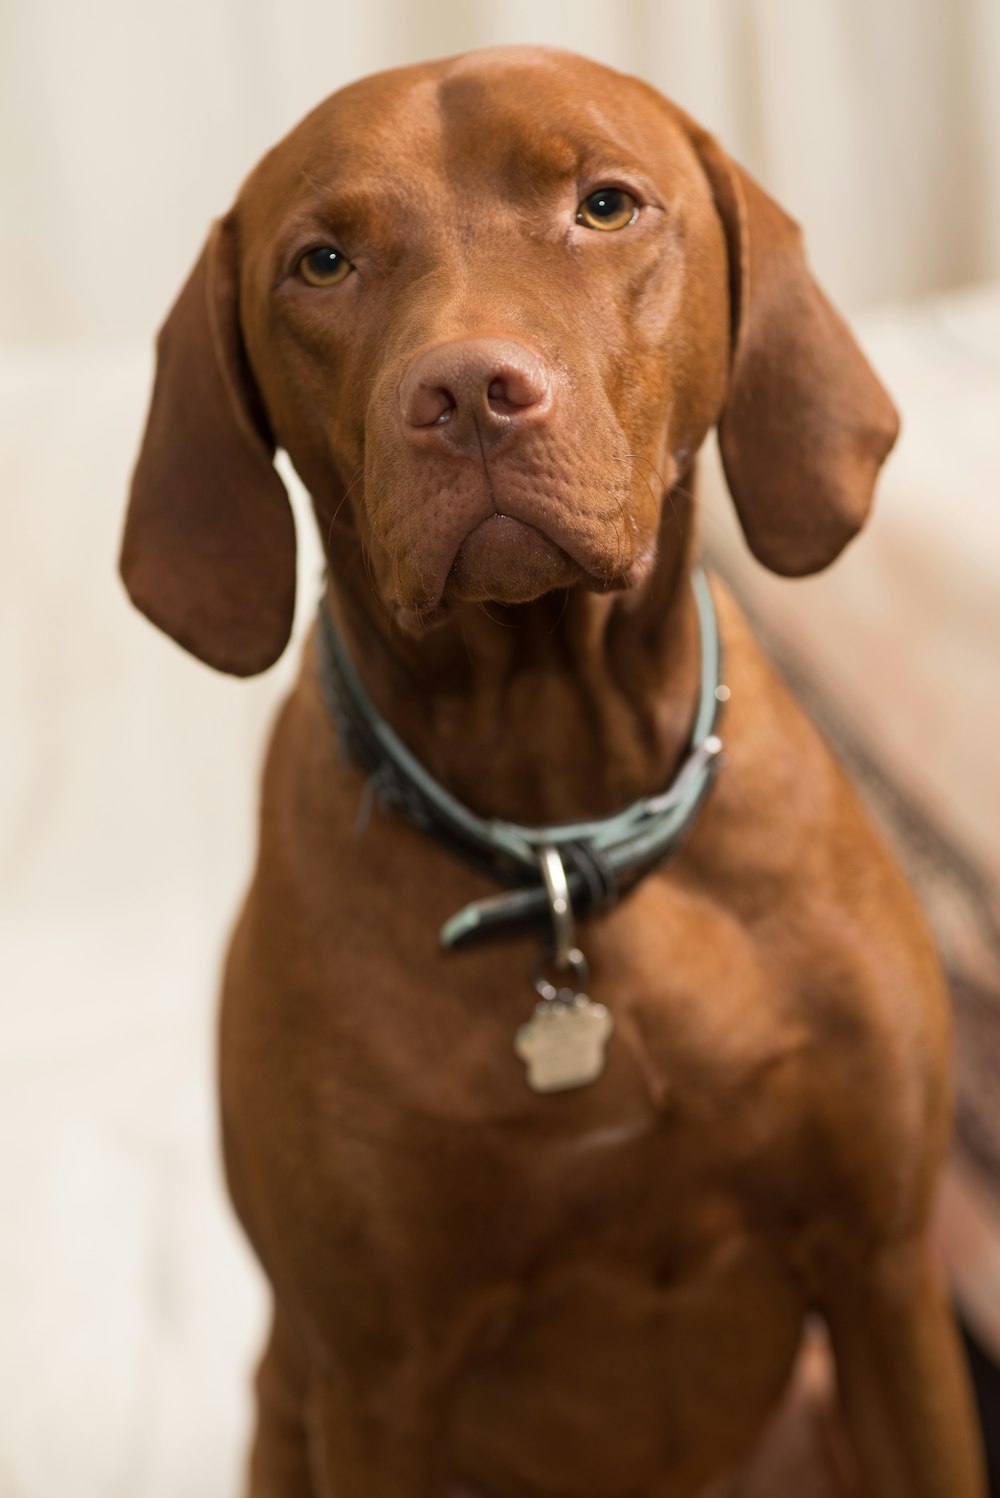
490, 140
612, 141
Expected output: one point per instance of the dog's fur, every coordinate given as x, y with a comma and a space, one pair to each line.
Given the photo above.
496, 414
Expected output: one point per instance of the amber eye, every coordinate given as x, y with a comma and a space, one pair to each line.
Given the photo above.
607, 208
324, 267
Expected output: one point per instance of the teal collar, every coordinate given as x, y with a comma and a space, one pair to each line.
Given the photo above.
602, 858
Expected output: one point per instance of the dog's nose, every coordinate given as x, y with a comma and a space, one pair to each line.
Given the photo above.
472, 391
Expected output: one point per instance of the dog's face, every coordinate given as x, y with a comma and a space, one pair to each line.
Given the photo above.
490, 307
504, 303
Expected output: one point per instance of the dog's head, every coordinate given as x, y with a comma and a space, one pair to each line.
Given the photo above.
490, 307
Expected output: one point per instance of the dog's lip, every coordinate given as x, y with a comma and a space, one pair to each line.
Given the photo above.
640, 568
417, 621
569, 567
506, 559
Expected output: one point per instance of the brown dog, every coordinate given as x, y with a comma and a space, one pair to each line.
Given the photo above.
491, 307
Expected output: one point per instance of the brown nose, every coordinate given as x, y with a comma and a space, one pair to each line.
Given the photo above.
472, 391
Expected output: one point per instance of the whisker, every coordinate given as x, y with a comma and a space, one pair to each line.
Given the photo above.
633, 458
368, 563
340, 504
559, 616
465, 641
498, 622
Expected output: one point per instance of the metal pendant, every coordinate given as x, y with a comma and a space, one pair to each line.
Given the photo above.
563, 1043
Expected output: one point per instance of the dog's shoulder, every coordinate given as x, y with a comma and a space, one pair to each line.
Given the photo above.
788, 850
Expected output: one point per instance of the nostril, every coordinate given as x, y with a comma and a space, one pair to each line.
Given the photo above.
479, 389
447, 404
430, 405
498, 397
513, 390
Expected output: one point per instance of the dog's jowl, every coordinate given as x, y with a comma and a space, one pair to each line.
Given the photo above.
584, 1059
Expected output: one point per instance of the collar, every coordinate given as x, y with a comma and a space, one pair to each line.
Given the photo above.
601, 859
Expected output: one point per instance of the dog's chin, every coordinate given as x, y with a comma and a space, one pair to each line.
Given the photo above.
504, 560
508, 561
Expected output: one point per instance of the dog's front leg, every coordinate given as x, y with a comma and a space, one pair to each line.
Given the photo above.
361, 1429
902, 1384
382, 1441
280, 1465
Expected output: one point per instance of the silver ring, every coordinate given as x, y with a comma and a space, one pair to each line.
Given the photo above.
560, 906
577, 965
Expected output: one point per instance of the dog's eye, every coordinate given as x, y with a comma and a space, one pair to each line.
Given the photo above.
607, 208
324, 267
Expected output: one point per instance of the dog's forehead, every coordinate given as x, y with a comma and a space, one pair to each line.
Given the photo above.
510, 117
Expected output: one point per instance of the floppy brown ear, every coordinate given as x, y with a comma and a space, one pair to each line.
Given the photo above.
806, 425
208, 552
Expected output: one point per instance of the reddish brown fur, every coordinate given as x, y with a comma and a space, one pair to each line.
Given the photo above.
600, 1293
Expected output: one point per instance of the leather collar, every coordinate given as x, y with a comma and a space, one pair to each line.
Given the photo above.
603, 859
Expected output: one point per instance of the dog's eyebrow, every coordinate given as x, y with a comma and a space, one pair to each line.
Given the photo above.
565, 158
337, 208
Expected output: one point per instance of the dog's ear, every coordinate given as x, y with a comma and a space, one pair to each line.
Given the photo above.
208, 552
806, 425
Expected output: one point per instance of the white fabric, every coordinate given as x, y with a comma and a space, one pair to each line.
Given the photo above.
130, 1309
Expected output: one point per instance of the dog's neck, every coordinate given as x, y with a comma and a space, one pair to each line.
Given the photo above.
577, 703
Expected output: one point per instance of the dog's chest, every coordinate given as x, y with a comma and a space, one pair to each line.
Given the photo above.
593, 1241
612, 1255
695, 1102
694, 1025
620, 1233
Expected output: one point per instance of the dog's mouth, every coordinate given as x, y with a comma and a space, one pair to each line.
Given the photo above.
506, 524
505, 560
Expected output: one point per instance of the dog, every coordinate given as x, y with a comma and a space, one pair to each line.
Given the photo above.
553, 1124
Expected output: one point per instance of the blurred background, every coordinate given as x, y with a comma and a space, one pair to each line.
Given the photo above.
130, 1309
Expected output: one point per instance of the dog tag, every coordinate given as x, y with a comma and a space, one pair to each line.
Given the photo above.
563, 1043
